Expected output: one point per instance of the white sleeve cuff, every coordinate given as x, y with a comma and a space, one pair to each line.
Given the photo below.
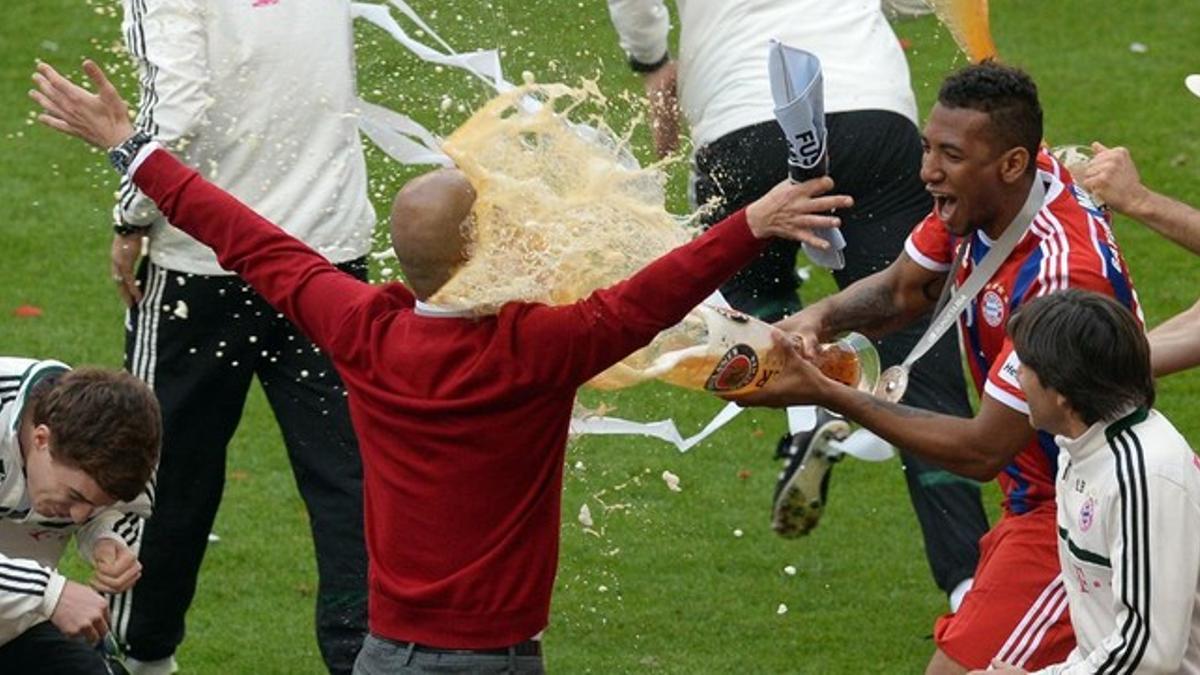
923, 260
1006, 398
642, 26
54, 589
141, 156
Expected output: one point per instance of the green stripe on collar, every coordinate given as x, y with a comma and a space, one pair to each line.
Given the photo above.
1136, 417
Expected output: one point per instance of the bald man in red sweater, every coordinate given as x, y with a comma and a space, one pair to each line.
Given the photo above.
462, 420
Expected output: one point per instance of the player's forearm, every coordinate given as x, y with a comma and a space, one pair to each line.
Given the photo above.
868, 306
952, 443
663, 292
1175, 343
1169, 217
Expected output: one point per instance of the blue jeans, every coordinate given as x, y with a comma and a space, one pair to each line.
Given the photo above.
380, 656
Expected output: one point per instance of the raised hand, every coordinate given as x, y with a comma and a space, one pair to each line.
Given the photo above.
116, 567
101, 119
1113, 179
792, 210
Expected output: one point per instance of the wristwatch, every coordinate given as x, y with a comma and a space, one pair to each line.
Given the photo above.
125, 229
647, 68
122, 154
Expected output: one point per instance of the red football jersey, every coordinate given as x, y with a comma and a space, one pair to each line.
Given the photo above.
1069, 245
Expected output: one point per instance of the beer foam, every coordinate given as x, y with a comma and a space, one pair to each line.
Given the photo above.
562, 207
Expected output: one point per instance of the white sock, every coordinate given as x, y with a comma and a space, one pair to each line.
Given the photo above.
956, 595
165, 666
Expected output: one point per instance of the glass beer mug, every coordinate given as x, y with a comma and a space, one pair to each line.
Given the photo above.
851, 360
738, 354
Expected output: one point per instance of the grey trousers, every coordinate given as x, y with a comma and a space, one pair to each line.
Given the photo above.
380, 656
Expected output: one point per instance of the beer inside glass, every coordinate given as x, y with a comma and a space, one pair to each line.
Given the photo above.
851, 360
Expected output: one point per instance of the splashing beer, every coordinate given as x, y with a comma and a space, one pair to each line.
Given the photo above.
967, 21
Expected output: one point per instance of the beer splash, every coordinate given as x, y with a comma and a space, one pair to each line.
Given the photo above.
967, 21
563, 209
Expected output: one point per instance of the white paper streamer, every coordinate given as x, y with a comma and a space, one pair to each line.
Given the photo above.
401, 137
664, 430
482, 63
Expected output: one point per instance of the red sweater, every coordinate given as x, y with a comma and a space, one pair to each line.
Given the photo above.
462, 422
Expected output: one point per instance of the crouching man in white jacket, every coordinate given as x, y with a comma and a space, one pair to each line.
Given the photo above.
77, 452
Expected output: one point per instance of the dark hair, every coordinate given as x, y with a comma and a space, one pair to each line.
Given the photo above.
105, 423
1008, 96
1087, 347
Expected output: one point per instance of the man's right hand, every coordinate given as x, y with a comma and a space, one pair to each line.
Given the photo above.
81, 612
806, 327
126, 250
792, 210
1113, 179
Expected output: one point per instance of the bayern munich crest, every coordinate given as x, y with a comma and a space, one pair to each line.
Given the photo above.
992, 308
1087, 514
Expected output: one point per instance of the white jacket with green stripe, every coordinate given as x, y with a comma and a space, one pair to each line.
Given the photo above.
1129, 544
31, 544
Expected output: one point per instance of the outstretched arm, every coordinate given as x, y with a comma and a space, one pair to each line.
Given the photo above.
1175, 343
1113, 179
978, 447
296, 280
611, 323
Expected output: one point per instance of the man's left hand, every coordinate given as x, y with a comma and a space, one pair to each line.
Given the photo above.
101, 119
116, 567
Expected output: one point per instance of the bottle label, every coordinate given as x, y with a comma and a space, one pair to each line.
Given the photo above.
735, 370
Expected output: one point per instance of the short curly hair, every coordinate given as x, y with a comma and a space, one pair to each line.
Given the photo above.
1008, 96
105, 423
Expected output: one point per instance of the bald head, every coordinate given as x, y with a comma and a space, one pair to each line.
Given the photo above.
430, 228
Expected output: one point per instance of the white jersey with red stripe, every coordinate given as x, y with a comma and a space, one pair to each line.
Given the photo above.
1069, 245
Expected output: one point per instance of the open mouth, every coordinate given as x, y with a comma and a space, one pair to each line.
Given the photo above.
943, 206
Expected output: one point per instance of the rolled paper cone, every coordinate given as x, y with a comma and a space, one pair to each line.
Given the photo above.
798, 90
967, 21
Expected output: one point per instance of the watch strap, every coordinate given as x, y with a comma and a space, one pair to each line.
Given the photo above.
122, 154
